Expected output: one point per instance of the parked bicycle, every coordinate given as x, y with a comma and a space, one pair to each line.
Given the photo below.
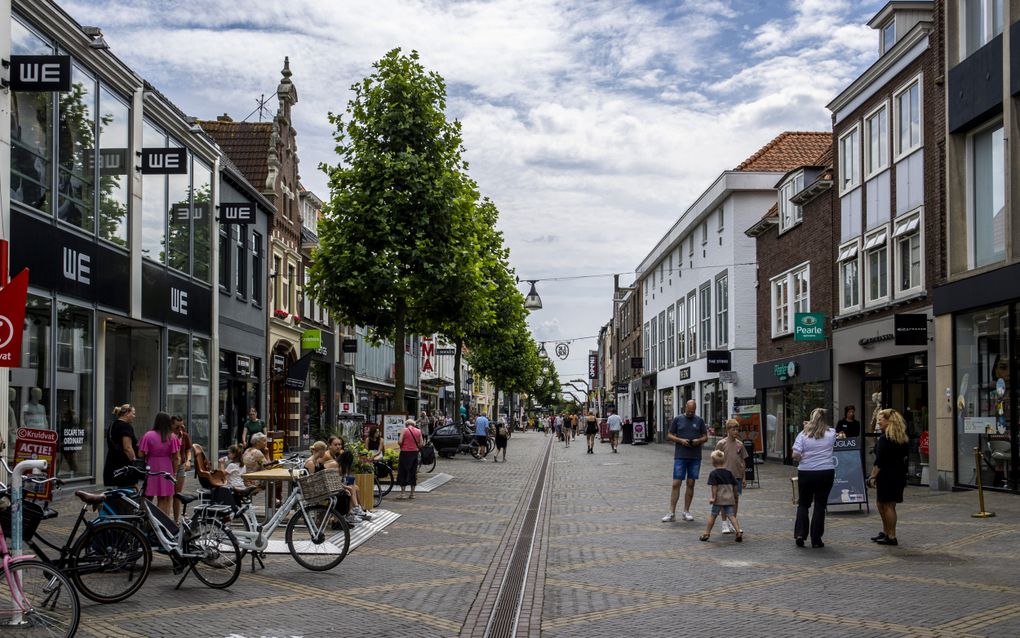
202, 545
107, 563
39, 599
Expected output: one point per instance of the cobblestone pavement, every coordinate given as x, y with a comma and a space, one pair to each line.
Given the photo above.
604, 565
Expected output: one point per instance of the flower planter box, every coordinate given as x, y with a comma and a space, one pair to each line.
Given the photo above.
366, 489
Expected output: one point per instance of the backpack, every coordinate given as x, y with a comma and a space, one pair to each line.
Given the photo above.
501, 430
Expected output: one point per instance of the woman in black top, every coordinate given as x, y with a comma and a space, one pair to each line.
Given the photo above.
121, 447
849, 425
889, 474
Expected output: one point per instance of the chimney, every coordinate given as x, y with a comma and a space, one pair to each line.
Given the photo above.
224, 118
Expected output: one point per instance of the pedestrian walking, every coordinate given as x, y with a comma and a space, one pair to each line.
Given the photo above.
409, 442
180, 430
121, 447
815, 473
482, 435
502, 436
161, 451
252, 426
615, 424
591, 428
735, 455
688, 432
889, 473
724, 496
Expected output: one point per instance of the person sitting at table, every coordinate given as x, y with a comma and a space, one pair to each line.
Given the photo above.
254, 458
233, 467
321, 459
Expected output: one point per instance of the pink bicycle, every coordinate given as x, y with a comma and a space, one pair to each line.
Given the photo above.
38, 599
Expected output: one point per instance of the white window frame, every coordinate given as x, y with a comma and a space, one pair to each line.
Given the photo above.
790, 214
900, 152
722, 310
705, 318
653, 363
876, 240
782, 311
704, 232
692, 325
844, 185
681, 330
870, 168
646, 363
904, 227
722, 220
690, 245
885, 46
670, 337
849, 252
971, 227
662, 339
988, 28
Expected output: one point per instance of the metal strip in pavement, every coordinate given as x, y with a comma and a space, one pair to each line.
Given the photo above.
360, 534
432, 483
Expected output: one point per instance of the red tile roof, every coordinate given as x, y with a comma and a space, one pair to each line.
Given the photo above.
246, 144
788, 151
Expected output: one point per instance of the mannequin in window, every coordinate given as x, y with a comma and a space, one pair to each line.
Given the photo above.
33, 414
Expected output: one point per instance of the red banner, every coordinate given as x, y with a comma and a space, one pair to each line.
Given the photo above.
37, 445
13, 297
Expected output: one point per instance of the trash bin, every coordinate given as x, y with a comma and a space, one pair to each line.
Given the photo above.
627, 436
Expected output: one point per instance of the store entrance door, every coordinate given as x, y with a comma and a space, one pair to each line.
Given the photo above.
133, 374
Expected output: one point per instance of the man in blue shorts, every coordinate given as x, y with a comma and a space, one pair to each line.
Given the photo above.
482, 434
689, 433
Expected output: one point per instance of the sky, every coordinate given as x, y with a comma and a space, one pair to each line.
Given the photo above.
592, 124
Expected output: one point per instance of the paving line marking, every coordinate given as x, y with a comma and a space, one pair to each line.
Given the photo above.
981, 619
974, 538
448, 530
438, 562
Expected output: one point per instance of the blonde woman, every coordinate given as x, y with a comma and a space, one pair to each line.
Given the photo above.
815, 475
889, 474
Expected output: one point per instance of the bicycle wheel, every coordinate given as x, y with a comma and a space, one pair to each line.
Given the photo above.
214, 553
377, 493
318, 537
476, 450
240, 523
43, 603
384, 475
110, 562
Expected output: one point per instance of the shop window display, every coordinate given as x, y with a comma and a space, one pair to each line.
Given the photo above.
74, 383
983, 396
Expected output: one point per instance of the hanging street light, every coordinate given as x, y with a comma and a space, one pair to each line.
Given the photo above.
532, 301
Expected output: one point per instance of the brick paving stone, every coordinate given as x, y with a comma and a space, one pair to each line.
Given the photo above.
607, 567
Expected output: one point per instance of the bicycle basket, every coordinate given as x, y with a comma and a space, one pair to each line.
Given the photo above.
31, 515
321, 485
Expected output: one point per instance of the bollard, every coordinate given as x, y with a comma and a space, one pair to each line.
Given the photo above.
981, 492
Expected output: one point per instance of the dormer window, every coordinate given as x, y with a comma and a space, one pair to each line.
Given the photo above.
789, 213
888, 35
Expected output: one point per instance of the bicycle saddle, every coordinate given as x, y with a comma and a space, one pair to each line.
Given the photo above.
245, 492
90, 498
186, 498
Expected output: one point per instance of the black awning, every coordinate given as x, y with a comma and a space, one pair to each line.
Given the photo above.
297, 373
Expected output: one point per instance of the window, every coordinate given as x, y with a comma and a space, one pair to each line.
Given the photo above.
850, 159
908, 118
76, 143
670, 337
241, 257
876, 131
888, 35
256, 269
907, 244
681, 330
690, 245
646, 362
706, 317
31, 131
278, 301
704, 232
876, 267
671, 265
153, 201
982, 21
289, 288
662, 339
692, 325
179, 216
114, 134
201, 219
849, 277
722, 311
987, 185
790, 294
224, 259
789, 213
722, 219
653, 364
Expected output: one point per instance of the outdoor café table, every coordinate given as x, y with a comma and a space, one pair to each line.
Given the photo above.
272, 475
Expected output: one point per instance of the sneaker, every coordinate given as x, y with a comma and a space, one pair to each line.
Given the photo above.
687, 516
352, 520
669, 518
727, 528
365, 515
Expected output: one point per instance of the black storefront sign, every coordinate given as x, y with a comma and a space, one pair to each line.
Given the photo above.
685, 373
172, 299
69, 264
911, 330
242, 365
297, 373
164, 161
718, 360
350, 345
40, 73
622, 388
593, 366
237, 213
636, 363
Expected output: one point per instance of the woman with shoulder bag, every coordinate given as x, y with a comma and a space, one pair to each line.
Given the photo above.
502, 435
407, 468
121, 447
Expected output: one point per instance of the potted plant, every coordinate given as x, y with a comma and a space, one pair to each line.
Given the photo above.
281, 314
364, 473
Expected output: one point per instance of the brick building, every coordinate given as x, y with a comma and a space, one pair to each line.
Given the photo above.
627, 338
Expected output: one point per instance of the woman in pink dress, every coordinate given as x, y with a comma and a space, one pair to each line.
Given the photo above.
161, 450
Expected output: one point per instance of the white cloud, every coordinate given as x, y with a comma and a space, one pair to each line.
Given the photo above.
592, 124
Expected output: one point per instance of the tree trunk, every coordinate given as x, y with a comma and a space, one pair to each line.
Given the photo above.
399, 336
456, 380
495, 402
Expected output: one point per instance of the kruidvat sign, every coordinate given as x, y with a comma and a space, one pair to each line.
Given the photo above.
40, 73
13, 298
164, 161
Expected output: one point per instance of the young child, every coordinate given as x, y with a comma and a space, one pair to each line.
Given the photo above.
724, 495
736, 462
233, 467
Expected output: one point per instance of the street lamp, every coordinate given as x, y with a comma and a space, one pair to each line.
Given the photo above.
532, 301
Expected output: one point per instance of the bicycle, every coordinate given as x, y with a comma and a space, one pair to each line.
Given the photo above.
202, 545
308, 528
108, 563
41, 600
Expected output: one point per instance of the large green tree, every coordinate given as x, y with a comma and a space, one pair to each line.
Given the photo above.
396, 208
